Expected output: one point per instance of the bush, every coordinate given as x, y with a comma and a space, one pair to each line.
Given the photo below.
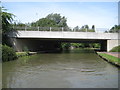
115, 49
8, 53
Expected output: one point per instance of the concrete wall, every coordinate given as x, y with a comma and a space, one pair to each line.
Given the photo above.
112, 43
63, 35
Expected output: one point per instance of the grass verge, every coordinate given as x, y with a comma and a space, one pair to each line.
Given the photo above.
110, 58
20, 54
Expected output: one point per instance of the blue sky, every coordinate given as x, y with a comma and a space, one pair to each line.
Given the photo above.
100, 14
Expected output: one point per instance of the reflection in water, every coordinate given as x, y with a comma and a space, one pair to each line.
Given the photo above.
74, 69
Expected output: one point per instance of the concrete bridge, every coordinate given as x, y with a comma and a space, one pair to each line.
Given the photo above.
37, 40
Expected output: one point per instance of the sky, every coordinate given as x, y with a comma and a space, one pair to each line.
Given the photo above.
100, 14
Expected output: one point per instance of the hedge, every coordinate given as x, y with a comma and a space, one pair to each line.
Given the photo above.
8, 53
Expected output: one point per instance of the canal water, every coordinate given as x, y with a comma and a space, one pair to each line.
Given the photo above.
71, 69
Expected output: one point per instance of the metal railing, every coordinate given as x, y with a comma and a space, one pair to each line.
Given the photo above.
70, 29
26, 28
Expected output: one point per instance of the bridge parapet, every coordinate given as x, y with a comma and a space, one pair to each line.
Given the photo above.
71, 29
63, 35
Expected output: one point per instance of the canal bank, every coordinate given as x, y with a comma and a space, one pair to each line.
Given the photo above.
111, 57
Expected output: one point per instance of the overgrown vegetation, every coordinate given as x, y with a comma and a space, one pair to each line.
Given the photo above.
20, 54
8, 53
115, 28
115, 49
67, 46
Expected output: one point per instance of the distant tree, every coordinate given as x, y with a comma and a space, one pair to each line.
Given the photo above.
115, 28
93, 27
82, 27
86, 27
58, 19
44, 22
76, 28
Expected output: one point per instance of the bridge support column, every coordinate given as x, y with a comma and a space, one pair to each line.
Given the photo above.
112, 43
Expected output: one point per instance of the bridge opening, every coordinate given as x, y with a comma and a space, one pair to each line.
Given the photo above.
56, 45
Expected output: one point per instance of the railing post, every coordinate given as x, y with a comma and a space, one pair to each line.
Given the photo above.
86, 29
38, 28
50, 28
25, 28
62, 29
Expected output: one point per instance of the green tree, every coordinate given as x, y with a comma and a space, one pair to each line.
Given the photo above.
6, 25
76, 28
93, 27
86, 27
7, 19
44, 22
58, 19
115, 28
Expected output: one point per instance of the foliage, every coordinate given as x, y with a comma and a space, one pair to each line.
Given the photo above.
20, 54
25, 49
52, 20
93, 27
6, 25
8, 53
115, 28
115, 49
58, 19
6, 20
84, 28
66, 46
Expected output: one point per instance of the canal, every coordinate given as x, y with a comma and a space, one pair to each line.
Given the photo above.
70, 69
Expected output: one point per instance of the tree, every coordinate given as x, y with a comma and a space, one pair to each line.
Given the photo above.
6, 25
115, 28
86, 27
44, 22
58, 19
7, 18
52, 20
93, 27
76, 28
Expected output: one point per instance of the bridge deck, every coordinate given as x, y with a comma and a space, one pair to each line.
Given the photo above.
64, 35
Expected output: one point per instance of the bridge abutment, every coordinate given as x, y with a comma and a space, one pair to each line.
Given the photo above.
112, 43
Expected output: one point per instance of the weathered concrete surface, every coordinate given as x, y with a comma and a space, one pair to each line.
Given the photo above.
65, 35
112, 43
34, 45
37, 40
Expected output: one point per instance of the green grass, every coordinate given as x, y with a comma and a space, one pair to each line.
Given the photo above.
110, 58
20, 54
115, 49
